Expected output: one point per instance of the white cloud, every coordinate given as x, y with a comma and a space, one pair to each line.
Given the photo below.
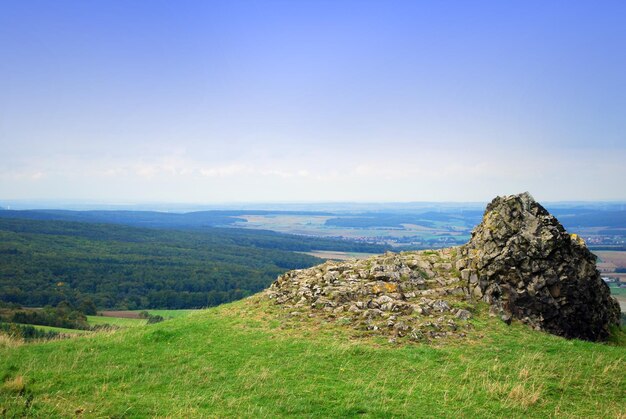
225, 171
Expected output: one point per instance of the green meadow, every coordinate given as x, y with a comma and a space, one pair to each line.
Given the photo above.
249, 359
170, 314
114, 321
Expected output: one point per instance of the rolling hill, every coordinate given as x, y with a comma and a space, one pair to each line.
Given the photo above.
252, 359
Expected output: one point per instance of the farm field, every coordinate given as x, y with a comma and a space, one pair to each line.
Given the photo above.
436, 233
315, 226
615, 257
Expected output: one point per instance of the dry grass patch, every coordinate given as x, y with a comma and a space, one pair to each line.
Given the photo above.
9, 342
524, 395
14, 385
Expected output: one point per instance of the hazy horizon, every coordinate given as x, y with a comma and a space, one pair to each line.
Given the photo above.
311, 206
312, 101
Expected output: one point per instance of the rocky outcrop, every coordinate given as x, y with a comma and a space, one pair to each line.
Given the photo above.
525, 265
520, 260
414, 295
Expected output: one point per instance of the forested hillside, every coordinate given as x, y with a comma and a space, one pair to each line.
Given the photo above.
46, 262
195, 220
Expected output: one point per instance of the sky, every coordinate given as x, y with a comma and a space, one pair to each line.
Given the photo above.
312, 101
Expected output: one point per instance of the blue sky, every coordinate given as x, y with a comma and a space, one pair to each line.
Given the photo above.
244, 101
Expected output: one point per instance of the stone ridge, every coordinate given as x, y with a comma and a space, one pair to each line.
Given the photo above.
520, 260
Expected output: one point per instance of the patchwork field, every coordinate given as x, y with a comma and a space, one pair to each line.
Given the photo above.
436, 233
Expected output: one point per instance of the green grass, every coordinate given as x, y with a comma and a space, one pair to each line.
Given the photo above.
58, 329
130, 322
170, 314
618, 291
115, 321
248, 359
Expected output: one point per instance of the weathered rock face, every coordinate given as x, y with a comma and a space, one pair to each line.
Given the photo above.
521, 260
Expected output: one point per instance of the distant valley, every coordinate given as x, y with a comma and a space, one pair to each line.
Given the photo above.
156, 259
402, 226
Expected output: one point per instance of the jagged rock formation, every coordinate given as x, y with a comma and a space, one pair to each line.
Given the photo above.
520, 260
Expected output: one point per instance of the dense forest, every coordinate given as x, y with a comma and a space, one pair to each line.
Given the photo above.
45, 262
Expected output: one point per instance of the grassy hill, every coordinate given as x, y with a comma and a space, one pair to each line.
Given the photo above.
251, 359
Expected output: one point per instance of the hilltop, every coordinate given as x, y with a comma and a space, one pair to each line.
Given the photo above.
520, 260
412, 334
250, 359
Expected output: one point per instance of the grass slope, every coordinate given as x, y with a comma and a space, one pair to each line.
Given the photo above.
248, 359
